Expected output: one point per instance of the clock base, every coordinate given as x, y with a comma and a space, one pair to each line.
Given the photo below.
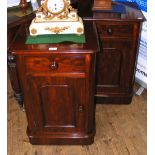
57, 27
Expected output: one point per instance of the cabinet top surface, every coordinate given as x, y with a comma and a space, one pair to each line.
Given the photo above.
18, 45
123, 11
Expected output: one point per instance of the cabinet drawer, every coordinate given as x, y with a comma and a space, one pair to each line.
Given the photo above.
55, 63
114, 30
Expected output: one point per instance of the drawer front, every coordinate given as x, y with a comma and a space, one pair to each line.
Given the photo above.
114, 30
55, 63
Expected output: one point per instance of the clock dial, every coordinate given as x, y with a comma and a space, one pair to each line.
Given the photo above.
55, 6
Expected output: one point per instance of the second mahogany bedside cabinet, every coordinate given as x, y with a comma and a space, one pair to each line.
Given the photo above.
57, 82
119, 32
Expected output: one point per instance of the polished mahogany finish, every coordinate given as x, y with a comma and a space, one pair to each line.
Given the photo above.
119, 33
58, 88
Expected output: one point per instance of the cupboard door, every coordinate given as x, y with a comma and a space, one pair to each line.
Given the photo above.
109, 68
114, 68
58, 103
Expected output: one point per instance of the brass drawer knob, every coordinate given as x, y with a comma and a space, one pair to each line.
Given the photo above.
110, 31
54, 65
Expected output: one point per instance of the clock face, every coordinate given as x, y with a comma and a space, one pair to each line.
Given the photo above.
55, 6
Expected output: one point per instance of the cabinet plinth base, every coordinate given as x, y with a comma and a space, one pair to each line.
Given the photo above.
113, 99
61, 139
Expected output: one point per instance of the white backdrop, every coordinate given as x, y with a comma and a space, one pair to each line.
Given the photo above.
141, 70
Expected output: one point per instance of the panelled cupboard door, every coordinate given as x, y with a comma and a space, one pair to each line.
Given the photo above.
57, 103
109, 70
113, 67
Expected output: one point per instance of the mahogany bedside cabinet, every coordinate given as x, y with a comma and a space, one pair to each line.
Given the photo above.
57, 82
119, 33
